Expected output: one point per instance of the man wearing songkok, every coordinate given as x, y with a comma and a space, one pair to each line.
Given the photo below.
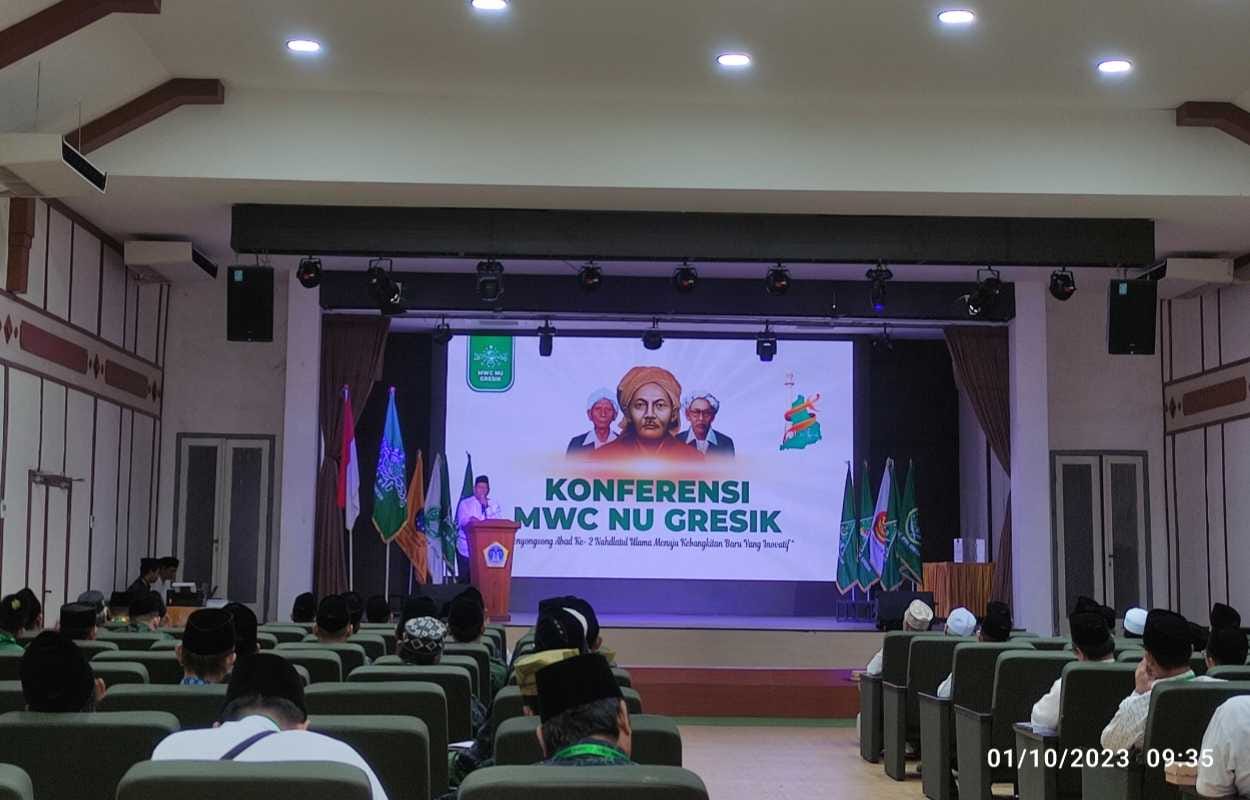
602, 411
355, 609
1168, 643
377, 610
264, 719
95, 599
585, 612
527, 668
206, 651
585, 722
245, 642
1134, 623
1224, 766
651, 400
304, 609
56, 677
32, 610
1091, 641
961, 622
1226, 643
560, 629
334, 620
149, 574
78, 621
466, 623
145, 614
12, 612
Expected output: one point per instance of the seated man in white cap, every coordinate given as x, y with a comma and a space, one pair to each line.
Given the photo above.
1225, 767
1134, 623
961, 622
602, 411
916, 618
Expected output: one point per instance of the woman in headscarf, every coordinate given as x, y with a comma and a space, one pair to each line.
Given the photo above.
650, 398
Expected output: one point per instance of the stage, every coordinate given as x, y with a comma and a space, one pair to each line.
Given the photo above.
715, 622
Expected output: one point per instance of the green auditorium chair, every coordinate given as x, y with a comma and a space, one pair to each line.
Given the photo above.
1021, 633
500, 635
11, 699
1178, 718
423, 701
928, 664
1090, 695
583, 783
467, 662
508, 703
243, 780
266, 641
1198, 663
454, 681
1130, 655
1020, 679
81, 756
1049, 642
9, 666
893, 669
302, 672
972, 665
114, 673
323, 666
1123, 643
162, 665
655, 741
480, 653
174, 632
130, 641
1230, 672
15, 783
397, 748
90, 647
523, 648
350, 656
165, 644
623, 678
284, 633
194, 706
373, 643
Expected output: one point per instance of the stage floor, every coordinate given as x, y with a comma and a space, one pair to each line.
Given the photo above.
714, 622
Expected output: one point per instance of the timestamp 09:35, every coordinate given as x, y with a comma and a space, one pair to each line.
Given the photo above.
1094, 757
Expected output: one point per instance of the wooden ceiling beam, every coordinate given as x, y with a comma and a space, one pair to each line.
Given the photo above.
1227, 117
145, 108
60, 20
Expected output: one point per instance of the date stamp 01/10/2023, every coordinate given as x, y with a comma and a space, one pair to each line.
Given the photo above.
1095, 757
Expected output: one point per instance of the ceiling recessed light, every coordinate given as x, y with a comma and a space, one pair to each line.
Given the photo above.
734, 60
490, 5
957, 16
1115, 66
303, 46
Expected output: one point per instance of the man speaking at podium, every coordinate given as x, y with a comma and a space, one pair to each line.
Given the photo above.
477, 506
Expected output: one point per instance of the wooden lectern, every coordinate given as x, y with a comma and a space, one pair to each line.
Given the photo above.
491, 547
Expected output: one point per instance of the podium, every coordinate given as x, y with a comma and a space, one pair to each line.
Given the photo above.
491, 545
954, 585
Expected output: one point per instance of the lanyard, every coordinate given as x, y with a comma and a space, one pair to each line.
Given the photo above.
600, 750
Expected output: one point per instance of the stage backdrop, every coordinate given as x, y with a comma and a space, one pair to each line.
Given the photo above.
762, 503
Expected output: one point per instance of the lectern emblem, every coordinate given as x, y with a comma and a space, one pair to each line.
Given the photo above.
496, 555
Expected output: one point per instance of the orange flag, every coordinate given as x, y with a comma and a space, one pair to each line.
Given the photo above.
411, 537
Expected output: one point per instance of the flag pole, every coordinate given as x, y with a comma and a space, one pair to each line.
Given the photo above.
387, 583
351, 556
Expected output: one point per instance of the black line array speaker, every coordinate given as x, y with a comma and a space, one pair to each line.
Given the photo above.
249, 304
1131, 314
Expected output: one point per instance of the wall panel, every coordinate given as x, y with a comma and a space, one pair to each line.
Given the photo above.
113, 298
85, 297
1193, 572
38, 258
48, 540
104, 495
1186, 338
1215, 516
1234, 317
139, 526
80, 422
1210, 331
1237, 478
149, 299
124, 565
22, 456
60, 243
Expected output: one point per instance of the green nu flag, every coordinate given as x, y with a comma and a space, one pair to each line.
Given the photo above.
466, 489
909, 529
892, 575
848, 539
868, 574
390, 489
448, 533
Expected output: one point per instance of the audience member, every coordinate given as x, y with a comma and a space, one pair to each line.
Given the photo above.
997, 622
560, 629
56, 677
377, 610
526, 669
1226, 643
207, 648
414, 607
466, 622
917, 617
245, 642
167, 573
355, 609
146, 613
1224, 616
961, 622
32, 611
585, 721
78, 621
1134, 623
1167, 641
12, 614
304, 610
1224, 768
1091, 641
149, 574
422, 641
586, 613
95, 599
264, 719
334, 621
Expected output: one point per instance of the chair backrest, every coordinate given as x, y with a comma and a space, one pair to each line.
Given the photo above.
9, 666
509, 703
243, 780
90, 647
1230, 672
973, 668
162, 665
114, 673
1198, 663
576, 783
468, 664
266, 641
656, 741
499, 640
928, 663
479, 653
15, 783
894, 652
126, 640
373, 642
1049, 642
81, 756
284, 633
1130, 655
455, 682
11, 699
175, 632
302, 672
397, 748
165, 644
623, 677
350, 656
194, 706
1121, 644
1178, 718
323, 666
424, 701
1088, 698
1020, 678
1021, 633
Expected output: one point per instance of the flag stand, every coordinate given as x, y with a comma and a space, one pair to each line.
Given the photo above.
387, 582
351, 559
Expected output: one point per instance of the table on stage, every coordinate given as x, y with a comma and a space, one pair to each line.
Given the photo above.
954, 585
176, 616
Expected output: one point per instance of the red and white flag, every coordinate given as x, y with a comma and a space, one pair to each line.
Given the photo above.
349, 466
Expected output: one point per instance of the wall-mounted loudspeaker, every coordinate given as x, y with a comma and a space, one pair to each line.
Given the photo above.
249, 304
1131, 312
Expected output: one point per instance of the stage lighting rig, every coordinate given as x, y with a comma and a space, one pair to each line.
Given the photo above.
766, 344
442, 333
590, 276
385, 291
489, 280
652, 339
777, 280
546, 339
685, 278
309, 272
1062, 284
879, 275
989, 285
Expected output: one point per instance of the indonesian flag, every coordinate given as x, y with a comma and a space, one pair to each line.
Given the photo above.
349, 466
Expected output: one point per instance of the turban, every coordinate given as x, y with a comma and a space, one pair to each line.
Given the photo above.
918, 616
638, 377
961, 622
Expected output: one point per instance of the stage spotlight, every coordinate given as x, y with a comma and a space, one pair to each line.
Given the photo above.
879, 275
590, 276
388, 294
309, 272
685, 278
442, 333
766, 345
777, 280
652, 339
489, 280
989, 284
546, 339
1062, 284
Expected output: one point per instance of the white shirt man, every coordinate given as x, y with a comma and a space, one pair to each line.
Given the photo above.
1227, 742
1091, 641
478, 506
916, 618
961, 622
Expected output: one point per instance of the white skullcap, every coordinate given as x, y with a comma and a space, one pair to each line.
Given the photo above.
1135, 621
701, 395
602, 393
918, 616
961, 622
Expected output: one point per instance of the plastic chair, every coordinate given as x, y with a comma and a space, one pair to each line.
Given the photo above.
578, 783
115, 673
350, 656
509, 703
15, 783
243, 780
396, 747
373, 642
871, 687
162, 666
90, 647
194, 706
480, 653
130, 641
656, 741
284, 633
323, 666
928, 664
9, 670
11, 698
454, 681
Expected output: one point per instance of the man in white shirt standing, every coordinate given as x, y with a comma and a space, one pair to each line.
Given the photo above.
1091, 641
602, 411
264, 719
478, 506
1227, 743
